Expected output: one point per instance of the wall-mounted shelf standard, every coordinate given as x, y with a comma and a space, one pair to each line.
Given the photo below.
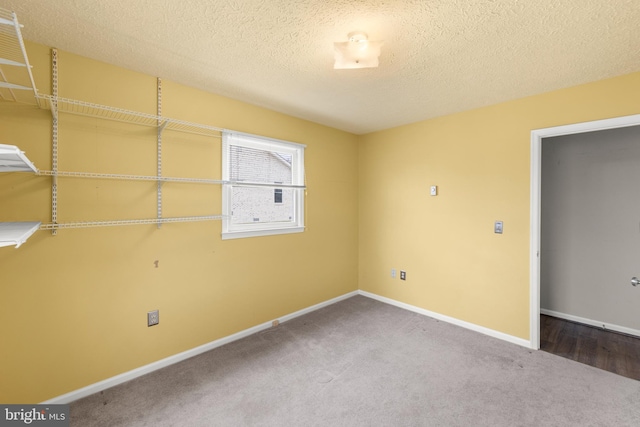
16, 233
16, 79
12, 159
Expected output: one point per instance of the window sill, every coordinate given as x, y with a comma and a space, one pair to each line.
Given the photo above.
257, 233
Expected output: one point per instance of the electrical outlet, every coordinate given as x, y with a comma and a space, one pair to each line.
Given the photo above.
403, 275
153, 317
393, 273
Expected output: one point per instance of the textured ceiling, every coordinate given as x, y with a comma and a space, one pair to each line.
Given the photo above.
438, 57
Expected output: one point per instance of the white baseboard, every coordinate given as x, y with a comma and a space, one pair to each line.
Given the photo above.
452, 320
143, 370
138, 372
590, 322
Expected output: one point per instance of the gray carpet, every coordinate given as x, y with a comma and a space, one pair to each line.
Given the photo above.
364, 363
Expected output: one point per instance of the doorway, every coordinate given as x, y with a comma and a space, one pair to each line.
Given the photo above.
590, 228
537, 137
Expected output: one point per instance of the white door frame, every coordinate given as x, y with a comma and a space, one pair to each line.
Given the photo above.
536, 178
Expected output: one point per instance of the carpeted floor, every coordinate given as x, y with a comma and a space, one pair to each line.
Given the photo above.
361, 362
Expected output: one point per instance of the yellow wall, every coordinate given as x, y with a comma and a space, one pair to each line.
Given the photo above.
480, 161
73, 306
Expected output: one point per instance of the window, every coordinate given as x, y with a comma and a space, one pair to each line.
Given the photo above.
264, 189
277, 195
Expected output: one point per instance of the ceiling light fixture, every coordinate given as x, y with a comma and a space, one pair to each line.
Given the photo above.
358, 52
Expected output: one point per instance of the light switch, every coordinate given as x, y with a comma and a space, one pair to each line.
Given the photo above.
434, 190
497, 228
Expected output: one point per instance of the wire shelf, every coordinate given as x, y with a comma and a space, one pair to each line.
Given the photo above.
153, 221
12, 159
16, 79
16, 233
93, 175
82, 108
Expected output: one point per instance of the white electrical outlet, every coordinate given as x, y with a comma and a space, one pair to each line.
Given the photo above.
153, 317
393, 273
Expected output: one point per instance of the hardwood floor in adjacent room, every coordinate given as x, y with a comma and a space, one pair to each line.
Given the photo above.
604, 349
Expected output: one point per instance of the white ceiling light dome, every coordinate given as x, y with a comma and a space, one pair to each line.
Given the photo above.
358, 52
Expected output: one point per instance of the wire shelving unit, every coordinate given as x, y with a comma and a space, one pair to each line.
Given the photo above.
16, 79
13, 55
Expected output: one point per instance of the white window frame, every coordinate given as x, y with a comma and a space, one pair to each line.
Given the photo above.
238, 231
